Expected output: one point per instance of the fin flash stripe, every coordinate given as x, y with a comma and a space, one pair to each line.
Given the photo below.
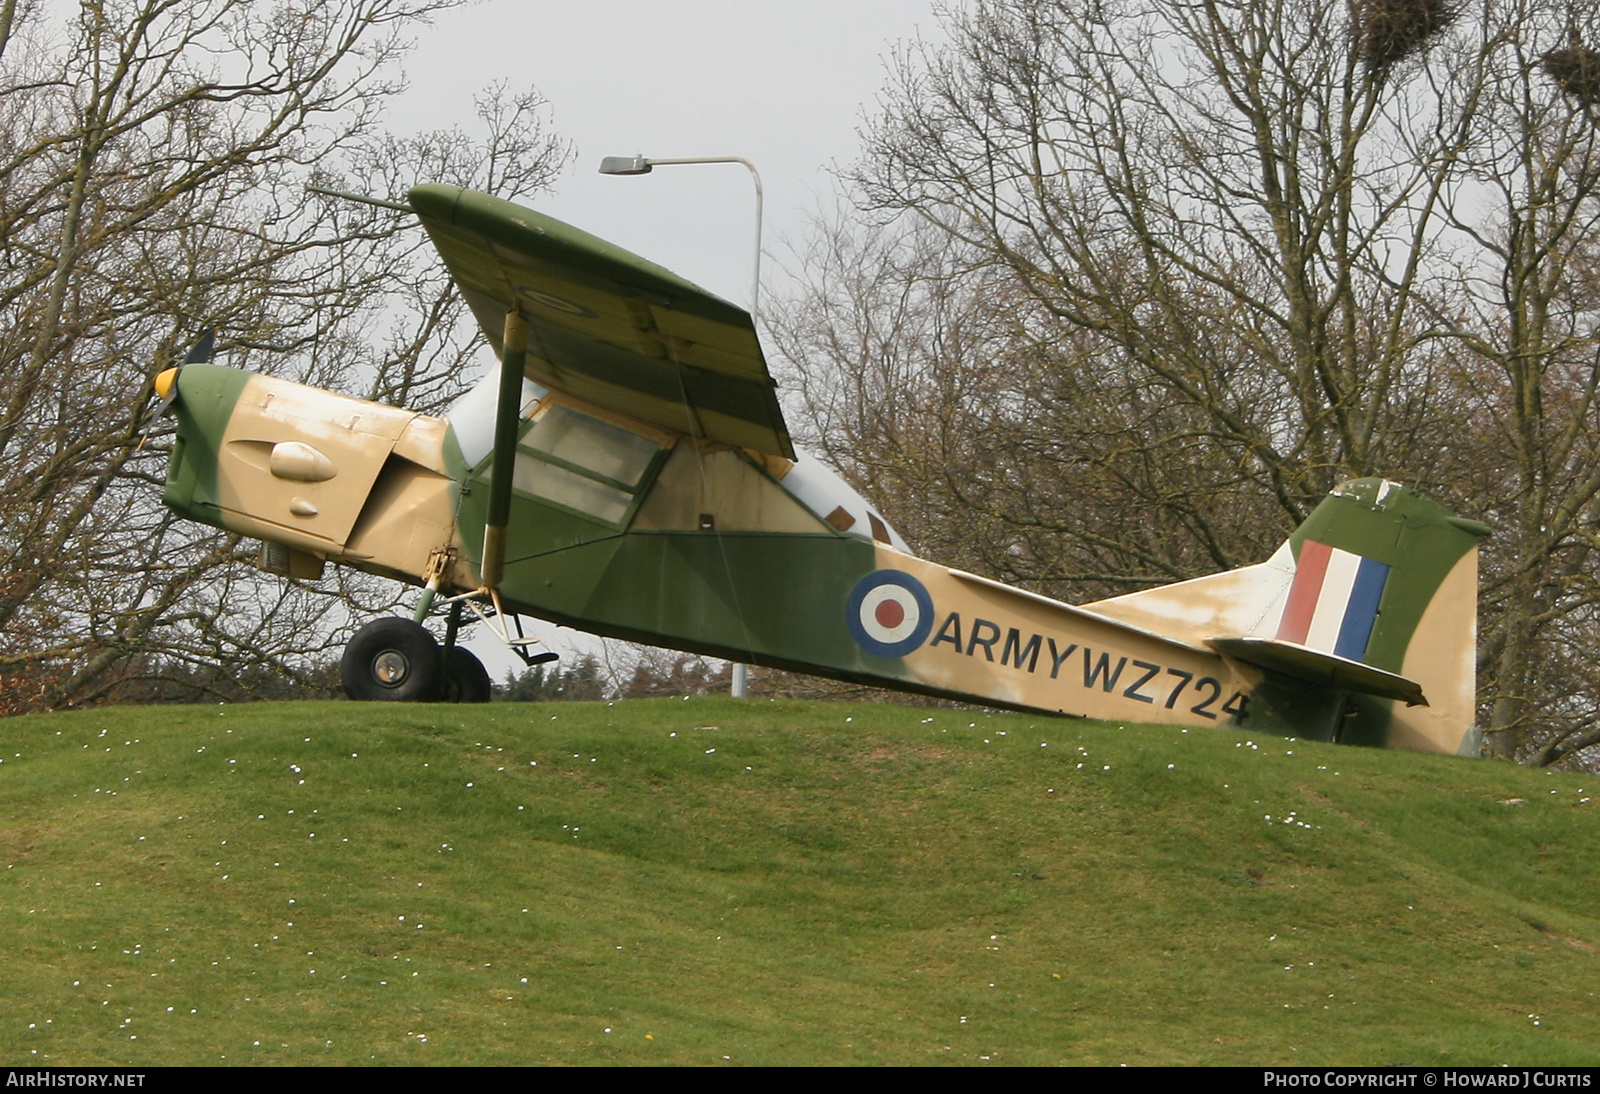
1333, 602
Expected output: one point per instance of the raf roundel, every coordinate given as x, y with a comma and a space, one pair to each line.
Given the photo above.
890, 613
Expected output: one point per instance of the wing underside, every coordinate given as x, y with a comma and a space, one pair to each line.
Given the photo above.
606, 326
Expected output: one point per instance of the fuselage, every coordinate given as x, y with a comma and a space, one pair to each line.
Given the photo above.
629, 530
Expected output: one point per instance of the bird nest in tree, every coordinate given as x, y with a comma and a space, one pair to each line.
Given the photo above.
1391, 30
1575, 71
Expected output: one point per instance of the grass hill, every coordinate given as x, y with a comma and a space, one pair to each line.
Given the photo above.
709, 881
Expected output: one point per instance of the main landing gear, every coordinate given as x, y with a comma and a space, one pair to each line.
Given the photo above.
399, 661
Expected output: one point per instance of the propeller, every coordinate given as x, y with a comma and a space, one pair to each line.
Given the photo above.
166, 382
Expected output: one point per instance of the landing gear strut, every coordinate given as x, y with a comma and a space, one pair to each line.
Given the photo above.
465, 680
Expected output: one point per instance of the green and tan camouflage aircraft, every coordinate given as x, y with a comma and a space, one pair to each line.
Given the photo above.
627, 471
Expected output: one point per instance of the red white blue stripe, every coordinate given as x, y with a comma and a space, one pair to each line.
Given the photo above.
1333, 602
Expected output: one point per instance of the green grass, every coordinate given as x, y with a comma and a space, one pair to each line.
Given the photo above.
770, 882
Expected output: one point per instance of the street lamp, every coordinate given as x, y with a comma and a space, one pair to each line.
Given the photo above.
639, 165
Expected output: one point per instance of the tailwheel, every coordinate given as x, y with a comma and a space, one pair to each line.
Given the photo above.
465, 680
391, 659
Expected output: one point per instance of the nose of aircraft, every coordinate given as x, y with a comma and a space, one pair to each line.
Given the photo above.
201, 397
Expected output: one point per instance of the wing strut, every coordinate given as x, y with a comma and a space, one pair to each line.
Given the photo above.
505, 448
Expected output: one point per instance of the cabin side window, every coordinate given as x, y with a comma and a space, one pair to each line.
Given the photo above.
581, 463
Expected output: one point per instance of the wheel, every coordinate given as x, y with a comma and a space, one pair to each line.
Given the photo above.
464, 679
390, 659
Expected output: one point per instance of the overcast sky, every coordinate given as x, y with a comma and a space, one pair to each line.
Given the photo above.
782, 83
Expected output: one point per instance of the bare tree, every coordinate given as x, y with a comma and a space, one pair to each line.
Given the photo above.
995, 436
1528, 333
1195, 183
153, 163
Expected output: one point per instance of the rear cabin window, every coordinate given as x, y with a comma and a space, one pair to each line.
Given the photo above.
584, 464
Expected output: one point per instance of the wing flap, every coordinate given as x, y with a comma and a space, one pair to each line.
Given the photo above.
607, 326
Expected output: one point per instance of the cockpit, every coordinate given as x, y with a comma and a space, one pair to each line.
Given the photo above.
636, 477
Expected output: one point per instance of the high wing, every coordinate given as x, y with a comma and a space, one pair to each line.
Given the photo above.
607, 326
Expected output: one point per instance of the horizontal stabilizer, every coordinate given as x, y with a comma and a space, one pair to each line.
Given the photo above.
1316, 667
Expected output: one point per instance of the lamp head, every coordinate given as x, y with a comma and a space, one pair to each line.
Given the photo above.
625, 165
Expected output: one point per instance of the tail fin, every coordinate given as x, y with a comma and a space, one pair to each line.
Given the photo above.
1389, 579
1375, 596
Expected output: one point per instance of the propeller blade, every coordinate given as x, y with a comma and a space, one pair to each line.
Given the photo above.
200, 354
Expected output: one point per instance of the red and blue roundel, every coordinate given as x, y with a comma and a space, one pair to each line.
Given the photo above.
890, 613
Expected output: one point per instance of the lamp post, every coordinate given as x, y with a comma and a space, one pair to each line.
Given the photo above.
639, 165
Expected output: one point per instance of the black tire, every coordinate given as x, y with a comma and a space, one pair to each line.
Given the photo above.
391, 659
465, 679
